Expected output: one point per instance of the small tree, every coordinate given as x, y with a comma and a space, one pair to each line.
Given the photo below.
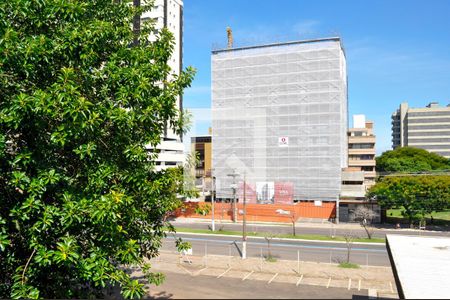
293, 221
365, 215
269, 237
203, 209
349, 238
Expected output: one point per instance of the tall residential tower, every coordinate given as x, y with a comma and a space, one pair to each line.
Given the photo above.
169, 14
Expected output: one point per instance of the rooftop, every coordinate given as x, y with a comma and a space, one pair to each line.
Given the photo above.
421, 265
335, 39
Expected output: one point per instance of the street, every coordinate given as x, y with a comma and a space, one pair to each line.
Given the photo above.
316, 251
303, 228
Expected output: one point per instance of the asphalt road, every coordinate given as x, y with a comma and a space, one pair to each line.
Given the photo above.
335, 230
183, 286
319, 251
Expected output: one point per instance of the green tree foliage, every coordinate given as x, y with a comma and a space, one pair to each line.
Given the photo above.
408, 159
418, 195
79, 197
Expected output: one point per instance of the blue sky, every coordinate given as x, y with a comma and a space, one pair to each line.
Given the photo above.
396, 50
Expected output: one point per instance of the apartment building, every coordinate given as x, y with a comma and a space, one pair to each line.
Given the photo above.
169, 14
361, 148
201, 146
360, 174
426, 128
279, 118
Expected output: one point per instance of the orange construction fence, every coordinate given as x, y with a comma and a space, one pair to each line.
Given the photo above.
283, 213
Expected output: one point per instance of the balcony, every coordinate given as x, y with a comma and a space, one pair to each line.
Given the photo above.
353, 191
370, 151
361, 139
361, 163
199, 173
368, 174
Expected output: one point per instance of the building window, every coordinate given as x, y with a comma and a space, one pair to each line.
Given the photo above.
361, 146
367, 169
352, 182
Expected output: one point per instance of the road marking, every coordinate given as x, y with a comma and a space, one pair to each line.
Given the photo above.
392, 289
299, 280
329, 281
248, 275
198, 272
186, 270
349, 283
359, 285
226, 271
276, 274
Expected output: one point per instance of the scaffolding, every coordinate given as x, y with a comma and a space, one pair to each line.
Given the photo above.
279, 116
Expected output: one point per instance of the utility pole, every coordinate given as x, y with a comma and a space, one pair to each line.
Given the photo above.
337, 210
234, 187
213, 184
244, 225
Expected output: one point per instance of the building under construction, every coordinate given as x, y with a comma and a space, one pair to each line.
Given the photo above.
279, 117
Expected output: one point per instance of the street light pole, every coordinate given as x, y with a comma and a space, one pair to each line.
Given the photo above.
233, 187
244, 225
213, 226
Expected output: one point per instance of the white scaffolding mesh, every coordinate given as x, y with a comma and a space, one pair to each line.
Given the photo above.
293, 91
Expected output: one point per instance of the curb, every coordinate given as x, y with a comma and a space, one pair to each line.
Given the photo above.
281, 239
303, 225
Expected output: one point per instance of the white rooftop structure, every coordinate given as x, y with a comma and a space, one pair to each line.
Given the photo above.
359, 121
421, 265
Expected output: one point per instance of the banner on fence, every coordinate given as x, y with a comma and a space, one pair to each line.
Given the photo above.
250, 192
284, 192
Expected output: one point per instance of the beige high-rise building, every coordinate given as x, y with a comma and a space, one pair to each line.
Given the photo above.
360, 174
426, 128
361, 148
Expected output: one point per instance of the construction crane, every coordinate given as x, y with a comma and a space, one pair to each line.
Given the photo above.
230, 38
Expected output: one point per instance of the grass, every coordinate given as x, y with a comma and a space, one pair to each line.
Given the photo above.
347, 265
271, 258
442, 215
313, 237
439, 218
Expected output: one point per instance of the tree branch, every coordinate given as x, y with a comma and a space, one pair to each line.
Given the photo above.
26, 266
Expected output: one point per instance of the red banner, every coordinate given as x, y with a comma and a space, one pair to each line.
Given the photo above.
250, 193
284, 193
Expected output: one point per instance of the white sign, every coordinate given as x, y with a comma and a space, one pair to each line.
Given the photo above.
283, 141
283, 212
317, 203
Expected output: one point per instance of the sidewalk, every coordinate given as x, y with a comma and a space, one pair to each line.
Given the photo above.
307, 223
378, 280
